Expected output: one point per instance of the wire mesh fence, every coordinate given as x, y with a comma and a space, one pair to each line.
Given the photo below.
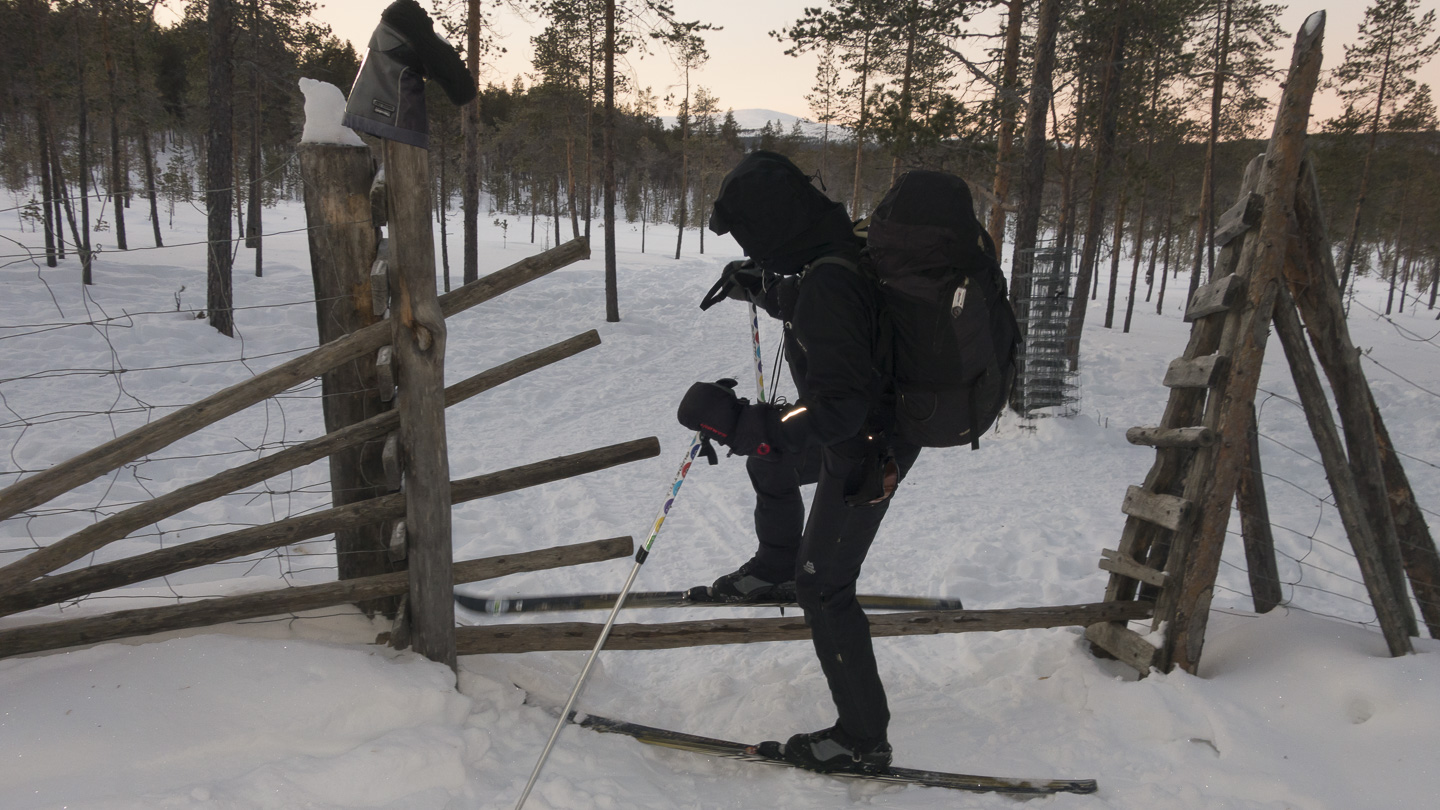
84, 365
1046, 384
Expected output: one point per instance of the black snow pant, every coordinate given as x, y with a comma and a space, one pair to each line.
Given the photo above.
825, 553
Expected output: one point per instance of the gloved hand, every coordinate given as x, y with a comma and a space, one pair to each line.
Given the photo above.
714, 410
779, 297
428, 52
747, 283
741, 280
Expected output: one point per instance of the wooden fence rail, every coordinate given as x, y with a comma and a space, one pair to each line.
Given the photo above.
516, 638
144, 621
161, 562
1383, 493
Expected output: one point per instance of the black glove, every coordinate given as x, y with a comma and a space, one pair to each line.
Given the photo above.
747, 282
779, 297
430, 54
714, 410
740, 280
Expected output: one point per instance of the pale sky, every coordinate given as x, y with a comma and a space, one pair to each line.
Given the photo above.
748, 67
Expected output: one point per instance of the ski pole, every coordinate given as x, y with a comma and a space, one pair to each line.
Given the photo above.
759, 366
640, 556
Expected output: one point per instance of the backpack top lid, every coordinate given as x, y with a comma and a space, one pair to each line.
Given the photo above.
927, 222
769, 206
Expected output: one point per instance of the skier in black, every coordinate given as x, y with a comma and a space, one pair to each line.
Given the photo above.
806, 269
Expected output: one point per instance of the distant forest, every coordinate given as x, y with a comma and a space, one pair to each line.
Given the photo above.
1148, 112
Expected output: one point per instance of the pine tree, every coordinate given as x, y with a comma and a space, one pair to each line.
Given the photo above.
1377, 76
824, 97
1032, 171
687, 48
1236, 60
219, 170
1008, 102
850, 26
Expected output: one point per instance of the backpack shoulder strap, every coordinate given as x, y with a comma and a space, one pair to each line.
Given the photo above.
840, 260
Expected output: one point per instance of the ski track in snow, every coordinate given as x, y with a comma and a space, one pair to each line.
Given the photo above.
1294, 710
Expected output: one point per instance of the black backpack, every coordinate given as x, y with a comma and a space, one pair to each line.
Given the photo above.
953, 337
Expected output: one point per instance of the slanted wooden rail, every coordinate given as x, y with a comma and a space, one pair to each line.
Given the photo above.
202, 613
243, 542
46, 590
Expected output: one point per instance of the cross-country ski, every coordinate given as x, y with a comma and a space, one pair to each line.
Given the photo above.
768, 754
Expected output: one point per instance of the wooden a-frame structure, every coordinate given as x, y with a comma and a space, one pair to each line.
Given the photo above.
1274, 269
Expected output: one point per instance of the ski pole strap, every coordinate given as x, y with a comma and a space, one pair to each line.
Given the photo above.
717, 293
707, 450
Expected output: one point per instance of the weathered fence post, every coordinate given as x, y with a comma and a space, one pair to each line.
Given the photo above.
342, 251
1255, 525
1343, 477
1316, 291
419, 341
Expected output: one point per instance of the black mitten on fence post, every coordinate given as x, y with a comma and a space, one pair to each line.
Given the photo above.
388, 98
438, 60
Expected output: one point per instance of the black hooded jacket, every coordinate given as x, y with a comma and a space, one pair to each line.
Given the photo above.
830, 308
830, 344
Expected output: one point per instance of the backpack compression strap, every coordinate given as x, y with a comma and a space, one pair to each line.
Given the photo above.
843, 262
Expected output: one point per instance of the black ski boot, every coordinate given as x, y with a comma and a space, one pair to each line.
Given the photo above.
743, 586
830, 751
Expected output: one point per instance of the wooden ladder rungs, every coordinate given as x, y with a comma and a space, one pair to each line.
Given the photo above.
1241, 217
379, 287
1123, 643
1117, 562
1201, 372
379, 200
1169, 511
390, 460
1185, 437
399, 547
1215, 297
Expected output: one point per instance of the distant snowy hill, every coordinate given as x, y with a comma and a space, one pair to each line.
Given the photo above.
751, 121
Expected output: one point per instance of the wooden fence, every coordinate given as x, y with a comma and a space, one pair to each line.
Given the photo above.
381, 363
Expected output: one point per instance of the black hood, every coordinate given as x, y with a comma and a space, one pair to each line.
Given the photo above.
779, 219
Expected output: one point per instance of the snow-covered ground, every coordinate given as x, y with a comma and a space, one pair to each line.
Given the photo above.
1299, 708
